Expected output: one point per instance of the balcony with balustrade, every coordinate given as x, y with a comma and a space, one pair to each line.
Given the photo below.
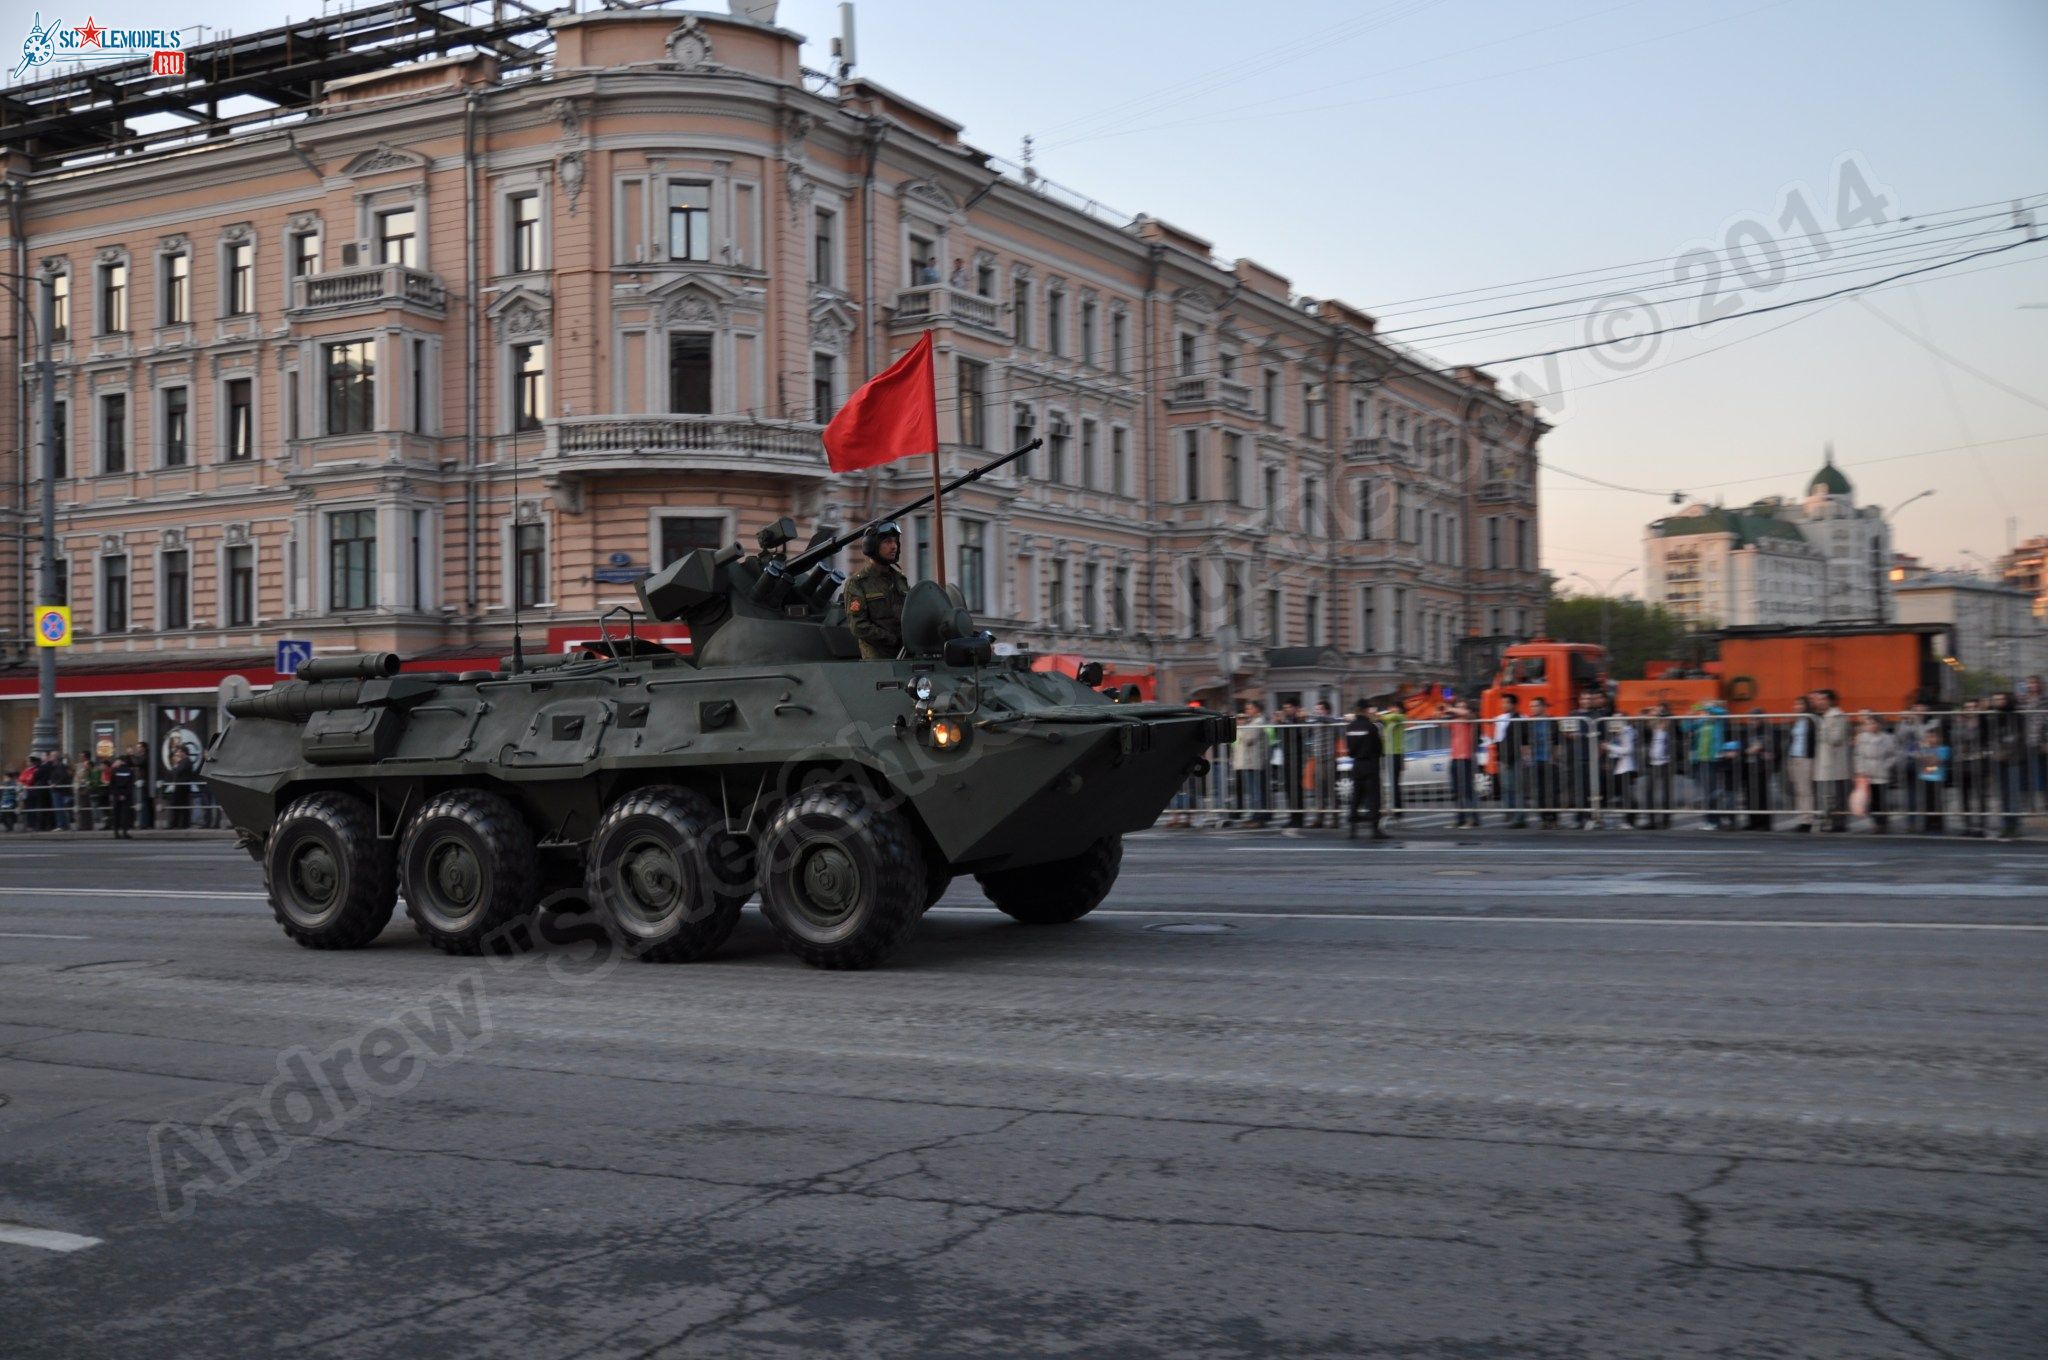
1378, 449
578, 447
374, 288
936, 305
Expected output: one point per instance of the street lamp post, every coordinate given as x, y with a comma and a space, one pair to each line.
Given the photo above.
1878, 566
43, 735
1606, 601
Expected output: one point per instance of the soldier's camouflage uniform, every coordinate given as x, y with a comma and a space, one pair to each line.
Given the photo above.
874, 609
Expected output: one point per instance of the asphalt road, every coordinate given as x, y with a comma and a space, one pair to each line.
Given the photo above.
1521, 1096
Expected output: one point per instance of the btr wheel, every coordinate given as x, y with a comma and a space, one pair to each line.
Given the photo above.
654, 879
1062, 891
842, 877
330, 879
470, 872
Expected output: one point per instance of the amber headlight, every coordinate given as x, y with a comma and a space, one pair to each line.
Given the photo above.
947, 734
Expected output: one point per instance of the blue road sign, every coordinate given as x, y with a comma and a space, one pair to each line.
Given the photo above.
292, 653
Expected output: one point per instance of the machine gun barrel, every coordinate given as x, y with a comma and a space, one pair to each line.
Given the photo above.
810, 556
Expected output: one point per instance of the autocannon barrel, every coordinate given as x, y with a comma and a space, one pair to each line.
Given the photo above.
364, 666
300, 700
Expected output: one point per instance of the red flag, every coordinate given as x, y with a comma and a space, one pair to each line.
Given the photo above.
894, 415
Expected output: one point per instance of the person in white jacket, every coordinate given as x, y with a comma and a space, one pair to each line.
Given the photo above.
1621, 756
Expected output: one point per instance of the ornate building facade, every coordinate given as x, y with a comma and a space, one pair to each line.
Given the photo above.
463, 341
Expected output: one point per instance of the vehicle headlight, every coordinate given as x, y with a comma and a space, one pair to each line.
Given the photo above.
948, 734
921, 689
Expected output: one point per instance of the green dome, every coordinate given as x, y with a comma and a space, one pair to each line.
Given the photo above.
1830, 478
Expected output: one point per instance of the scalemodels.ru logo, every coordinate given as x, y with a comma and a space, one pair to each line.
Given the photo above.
89, 41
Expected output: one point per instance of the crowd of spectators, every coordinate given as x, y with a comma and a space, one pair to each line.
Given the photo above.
1972, 768
116, 794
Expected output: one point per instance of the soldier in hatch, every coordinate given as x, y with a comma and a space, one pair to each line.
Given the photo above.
875, 594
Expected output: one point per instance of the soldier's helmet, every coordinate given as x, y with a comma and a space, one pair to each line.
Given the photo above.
871, 542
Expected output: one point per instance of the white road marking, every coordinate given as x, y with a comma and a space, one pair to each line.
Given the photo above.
1358, 918
45, 1238
6, 889
31, 935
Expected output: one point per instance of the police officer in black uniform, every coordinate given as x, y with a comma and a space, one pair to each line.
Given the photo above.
1366, 747
875, 594
121, 782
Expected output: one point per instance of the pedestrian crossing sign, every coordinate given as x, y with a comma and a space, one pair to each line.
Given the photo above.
53, 625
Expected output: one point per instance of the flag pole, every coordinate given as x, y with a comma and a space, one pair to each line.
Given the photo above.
938, 485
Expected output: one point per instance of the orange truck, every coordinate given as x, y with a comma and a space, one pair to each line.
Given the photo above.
1882, 667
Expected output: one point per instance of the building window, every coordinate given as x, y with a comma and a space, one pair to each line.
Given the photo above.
420, 386
241, 568
1197, 607
351, 380
114, 594
114, 298
114, 432
1312, 620
924, 261
529, 385
1056, 594
1233, 596
921, 553
1120, 599
1269, 395
1365, 508
352, 559
1312, 409
1187, 355
1056, 320
824, 401
1091, 473
60, 582
1022, 425
241, 419
1091, 592
60, 306
689, 374
684, 534
1275, 493
60, 438
239, 281
1233, 468
177, 426
177, 590
524, 226
530, 565
824, 247
1311, 507
1058, 434
417, 557
1088, 316
1191, 464
177, 281
1020, 311
1369, 620
974, 564
973, 385
1119, 332
398, 237
1120, 460
984, 279
1493, 542
305, 254
1522, 544
1276, 618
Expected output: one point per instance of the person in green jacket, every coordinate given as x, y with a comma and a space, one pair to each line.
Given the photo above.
1394, 736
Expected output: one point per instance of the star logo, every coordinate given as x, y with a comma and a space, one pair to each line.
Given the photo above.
89, 33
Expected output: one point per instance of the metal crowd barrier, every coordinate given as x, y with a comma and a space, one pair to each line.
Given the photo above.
1960, 771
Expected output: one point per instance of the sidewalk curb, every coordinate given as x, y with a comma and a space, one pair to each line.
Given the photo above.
99, 835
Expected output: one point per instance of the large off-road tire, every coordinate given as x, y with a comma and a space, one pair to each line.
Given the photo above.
1056, 893
651, 878
332, 882
842, 877
470, 872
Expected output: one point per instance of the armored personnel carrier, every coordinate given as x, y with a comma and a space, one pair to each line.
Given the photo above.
665, 790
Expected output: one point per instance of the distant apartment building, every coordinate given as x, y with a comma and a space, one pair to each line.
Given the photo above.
1823, 559
1993, 626
2025, 569
486, 329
